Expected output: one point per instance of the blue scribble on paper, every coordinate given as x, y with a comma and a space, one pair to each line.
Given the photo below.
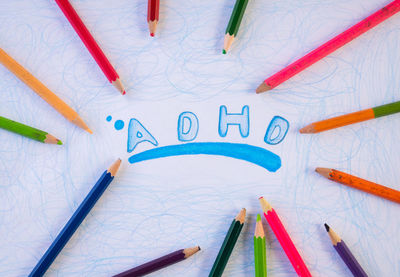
137, 133
109, 118
188, 131
277, 124
119, 125
250, 153
240, 119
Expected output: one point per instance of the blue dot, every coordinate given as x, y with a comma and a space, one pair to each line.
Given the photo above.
119, 124
109, 118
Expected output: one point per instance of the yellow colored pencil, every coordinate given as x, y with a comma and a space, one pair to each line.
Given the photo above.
46, 94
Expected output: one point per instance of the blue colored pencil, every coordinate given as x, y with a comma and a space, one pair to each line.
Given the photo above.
76, 219
345, 253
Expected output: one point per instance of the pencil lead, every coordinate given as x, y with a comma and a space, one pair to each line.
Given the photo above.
152, 34
59, 142
326, 227
258, 217
223, 51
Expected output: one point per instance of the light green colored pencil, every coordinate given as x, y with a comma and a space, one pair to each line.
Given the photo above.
260, 254
27, 131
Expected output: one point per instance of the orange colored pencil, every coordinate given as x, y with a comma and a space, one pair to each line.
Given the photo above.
41, 90
361, 184
351, 118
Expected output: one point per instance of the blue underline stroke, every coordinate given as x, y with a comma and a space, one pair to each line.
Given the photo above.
250, 153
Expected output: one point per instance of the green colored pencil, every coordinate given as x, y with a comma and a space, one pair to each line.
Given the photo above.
234, 23
228, 244
260, 254
27, 131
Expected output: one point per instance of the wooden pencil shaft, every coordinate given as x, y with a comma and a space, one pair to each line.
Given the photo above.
228, 245
331, 46
88, 39
73, 223
349, 259
387, 109
236, 17
365, 185
343, 120
153, 10
22, 129
47, 95
154, 265
287, 244
226, 249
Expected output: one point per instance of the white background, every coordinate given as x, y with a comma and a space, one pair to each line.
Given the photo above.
156, 207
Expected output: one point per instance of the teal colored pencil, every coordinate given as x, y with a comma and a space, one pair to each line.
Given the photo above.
27, 131
234, 23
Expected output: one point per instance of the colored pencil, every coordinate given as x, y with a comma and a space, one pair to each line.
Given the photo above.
234, 23
76, 219
153, 13
284, 239
91, 44
41, 90
361, 184
260, 253
160, 263
352, 118
330, 46
228, 244
345, 254
27, 131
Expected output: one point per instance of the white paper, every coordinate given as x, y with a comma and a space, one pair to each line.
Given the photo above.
158, 206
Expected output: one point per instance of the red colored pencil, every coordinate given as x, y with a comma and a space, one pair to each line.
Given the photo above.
284, 239
153, 12
329, 47
91, 44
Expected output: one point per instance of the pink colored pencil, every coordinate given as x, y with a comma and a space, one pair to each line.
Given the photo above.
284, 239
91, 44
329, 47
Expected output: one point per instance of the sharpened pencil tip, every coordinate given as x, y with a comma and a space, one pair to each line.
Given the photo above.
263, 87
326, 227
223, 51
59, 142
89, 131
152, 34
114, 167
258, 217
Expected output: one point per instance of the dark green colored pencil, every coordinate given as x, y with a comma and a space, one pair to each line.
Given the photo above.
27, 131
234, 23
228, 244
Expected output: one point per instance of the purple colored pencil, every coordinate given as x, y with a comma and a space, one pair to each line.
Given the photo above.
345, 254
159, 263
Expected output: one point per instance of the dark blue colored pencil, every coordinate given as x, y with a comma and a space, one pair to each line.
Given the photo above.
76, 219
345, 254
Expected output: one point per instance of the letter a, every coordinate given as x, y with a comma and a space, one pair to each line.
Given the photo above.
137, 134
191, 131
240, 119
